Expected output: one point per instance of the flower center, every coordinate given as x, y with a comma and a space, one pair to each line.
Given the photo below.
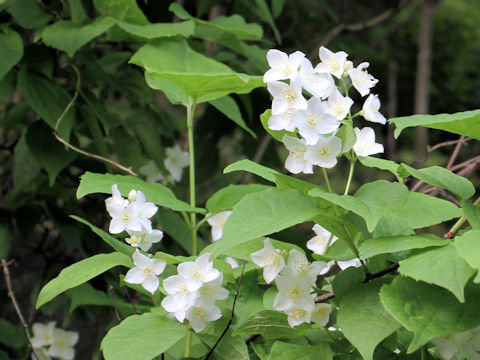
200, 313
294, 293
289, 95
207, 290
322, 153
297, 313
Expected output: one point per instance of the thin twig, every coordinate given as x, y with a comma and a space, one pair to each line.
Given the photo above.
386, 271
114, 300
446, 143
74, 148
6, 274
251, 338
452, 159
131, 300
473, 160
231, 315
324, 297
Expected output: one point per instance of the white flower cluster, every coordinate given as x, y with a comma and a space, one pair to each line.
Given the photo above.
294, 279
318, 119
459, 346
175, 161
193, 292
133, 216
217, 222
51, 342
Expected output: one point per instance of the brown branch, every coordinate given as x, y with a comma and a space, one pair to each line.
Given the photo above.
324, 297
454, 155
74, 148
6, 274
446, 143
131, 300
386, 271
474, 160
114, 300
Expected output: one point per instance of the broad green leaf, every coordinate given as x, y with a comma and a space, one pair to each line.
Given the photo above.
79, 273
153, 31
472, 213
265, 212
441, 177
463, 123
252, 167
288, 351
174, 92
197, 76
77, 11
468, 247
428, 310
142, 337
423, 210
86, 294
11, 44
48, 100
372, 201
347, 281
116, 244
26, 168
230, 347
12, 336
228, 107
174, 225
47, 150
277, 134
271, 325
381, 164
392, 244
69, 36
362, 313
125, 10
99, 109
29, 14
227, 197
158, 194
440, 266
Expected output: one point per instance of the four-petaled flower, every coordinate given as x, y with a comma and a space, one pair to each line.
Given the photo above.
145, 271
365, 144
269, 259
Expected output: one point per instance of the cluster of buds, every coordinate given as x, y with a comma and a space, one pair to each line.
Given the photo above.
175, 161
318, 119
193, 292
51, 342
294, 279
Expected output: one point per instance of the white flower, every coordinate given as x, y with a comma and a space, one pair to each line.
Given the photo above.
233, 263
296, 162
321, 314
318, 84
297, 316
269, 259
332, 63
315, 121
145, 271
370, 110
365, 144
125, 218
42, 354
213, 290
217, 223
318, 244
324, 153
339, 105
42, 334
459, 346
116, 201
143, 239
283, 121
283, 66
361, 79
286, 96
293, 292
153, 173
298, 266
182, 294
62, 344
145, 210
176, 160
201, 270
349, 263
202, 312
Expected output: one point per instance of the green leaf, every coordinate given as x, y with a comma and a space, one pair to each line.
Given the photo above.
381, 164
277, 134
289, 182
227, 197
47, 150
348, 137
472, 213
29, 14
154, 31
26, 168
5, 239
174, 92
158, 194
228, 107
48, 100
12, 336
265, 212
463, 123
11, 44
372, 201
252, 167
468, 247
197, 76
441, 177
263, 12
287, 351
392, 244
79, 273
230, 348
362, 313
428, 310
174, 225
116, 244
142, 337
126, 10
69, 36
98, 108
86, 294
440, 266
271, 325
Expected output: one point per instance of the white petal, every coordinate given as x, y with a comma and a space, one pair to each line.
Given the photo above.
135, 276
151, 283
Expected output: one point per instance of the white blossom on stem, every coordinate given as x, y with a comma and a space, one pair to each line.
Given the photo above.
361, 79
182, 294
217, 222
324, 153
318, 84
144, 239
153, 173
213, 290
365, 144
42, 334
370, 110
269, 259
332, 63
283, 121
283, 66
293, 292
321, 314
202, 312
201, 270
286, 96
176, 160
318, 244
62, 344
298, 266
296, 162
338, 105
145, 271
297, 316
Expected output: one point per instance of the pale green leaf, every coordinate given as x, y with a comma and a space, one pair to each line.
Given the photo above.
468, 247
230, 347
252, 167
158, 30
11, 44
228, 107
381, 164
125, 10
288, 351
277, 134
472, 213
81, 272
227, 197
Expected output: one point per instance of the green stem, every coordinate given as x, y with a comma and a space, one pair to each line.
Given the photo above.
201, 222
327, 183
350, 176
186, 219
188, 343
461, 221
191, 153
